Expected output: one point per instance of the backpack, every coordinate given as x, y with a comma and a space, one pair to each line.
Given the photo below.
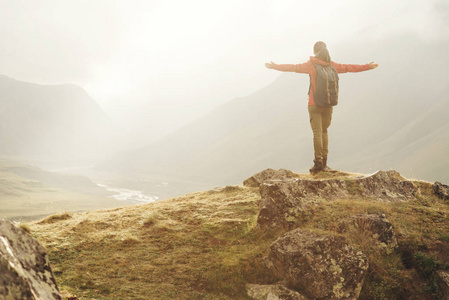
326, 91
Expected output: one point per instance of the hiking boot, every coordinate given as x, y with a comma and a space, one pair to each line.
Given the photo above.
317, 167
325, 167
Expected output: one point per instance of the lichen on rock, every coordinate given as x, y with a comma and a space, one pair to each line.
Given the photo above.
25, 271
282, 200
441, 190
273, 292
374, 227
319, 266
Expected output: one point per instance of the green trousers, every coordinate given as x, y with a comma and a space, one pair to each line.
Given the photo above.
320, 120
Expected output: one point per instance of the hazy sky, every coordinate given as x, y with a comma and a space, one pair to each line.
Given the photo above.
172, 60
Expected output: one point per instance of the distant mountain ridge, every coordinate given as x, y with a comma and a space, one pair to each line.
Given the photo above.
387, 118
49, 121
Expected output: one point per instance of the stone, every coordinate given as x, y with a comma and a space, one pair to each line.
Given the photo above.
283, 201
272, 292
319, 266
267, 175
231, 189
25, 271
441, 190
443, 283
376, 228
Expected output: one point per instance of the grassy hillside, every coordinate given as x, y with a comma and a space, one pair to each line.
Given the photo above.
206, 245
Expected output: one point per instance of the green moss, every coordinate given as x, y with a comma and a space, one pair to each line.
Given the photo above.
444, 236
426, 264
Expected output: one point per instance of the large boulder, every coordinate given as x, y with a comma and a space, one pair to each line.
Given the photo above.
25, 271
283, 201
441, 190
319, 266
376, 228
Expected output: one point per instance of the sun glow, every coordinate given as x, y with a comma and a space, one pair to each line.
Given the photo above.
169, 51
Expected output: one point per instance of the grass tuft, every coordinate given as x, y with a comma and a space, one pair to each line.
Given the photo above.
55, 218
25, 227
151, 220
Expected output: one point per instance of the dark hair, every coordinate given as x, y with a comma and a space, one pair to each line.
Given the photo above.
321, 52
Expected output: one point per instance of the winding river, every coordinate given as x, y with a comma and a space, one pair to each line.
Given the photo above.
129, 196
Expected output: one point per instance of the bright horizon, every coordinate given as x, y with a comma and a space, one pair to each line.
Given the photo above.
171, 61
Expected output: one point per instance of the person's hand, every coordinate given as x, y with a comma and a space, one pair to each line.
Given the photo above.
372, 65
270, 65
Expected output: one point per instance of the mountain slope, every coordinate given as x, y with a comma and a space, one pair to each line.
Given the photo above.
49, 121
234, 133
418, 149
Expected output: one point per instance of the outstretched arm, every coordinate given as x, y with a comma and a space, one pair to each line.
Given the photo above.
343, 68
299, 68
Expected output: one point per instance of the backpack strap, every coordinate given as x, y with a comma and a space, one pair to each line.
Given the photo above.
310, 80
310, 84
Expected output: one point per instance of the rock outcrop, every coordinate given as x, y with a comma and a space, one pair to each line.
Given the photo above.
25, 271
443, 283
377, 228
282, 200
273, 292
441, 190
319, 266
269, 174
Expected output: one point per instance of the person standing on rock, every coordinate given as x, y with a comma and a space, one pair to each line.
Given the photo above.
323, 95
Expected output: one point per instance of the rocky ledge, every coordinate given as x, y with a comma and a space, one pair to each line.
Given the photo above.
284, 195
323, 265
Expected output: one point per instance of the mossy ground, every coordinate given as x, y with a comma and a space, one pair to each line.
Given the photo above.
205, 246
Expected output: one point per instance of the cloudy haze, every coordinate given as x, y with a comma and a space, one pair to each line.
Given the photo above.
159, 64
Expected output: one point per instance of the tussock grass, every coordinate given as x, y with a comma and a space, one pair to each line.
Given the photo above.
25, 227
56, 218
206, 246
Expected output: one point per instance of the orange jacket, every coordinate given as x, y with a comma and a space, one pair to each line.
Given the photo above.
308, 68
